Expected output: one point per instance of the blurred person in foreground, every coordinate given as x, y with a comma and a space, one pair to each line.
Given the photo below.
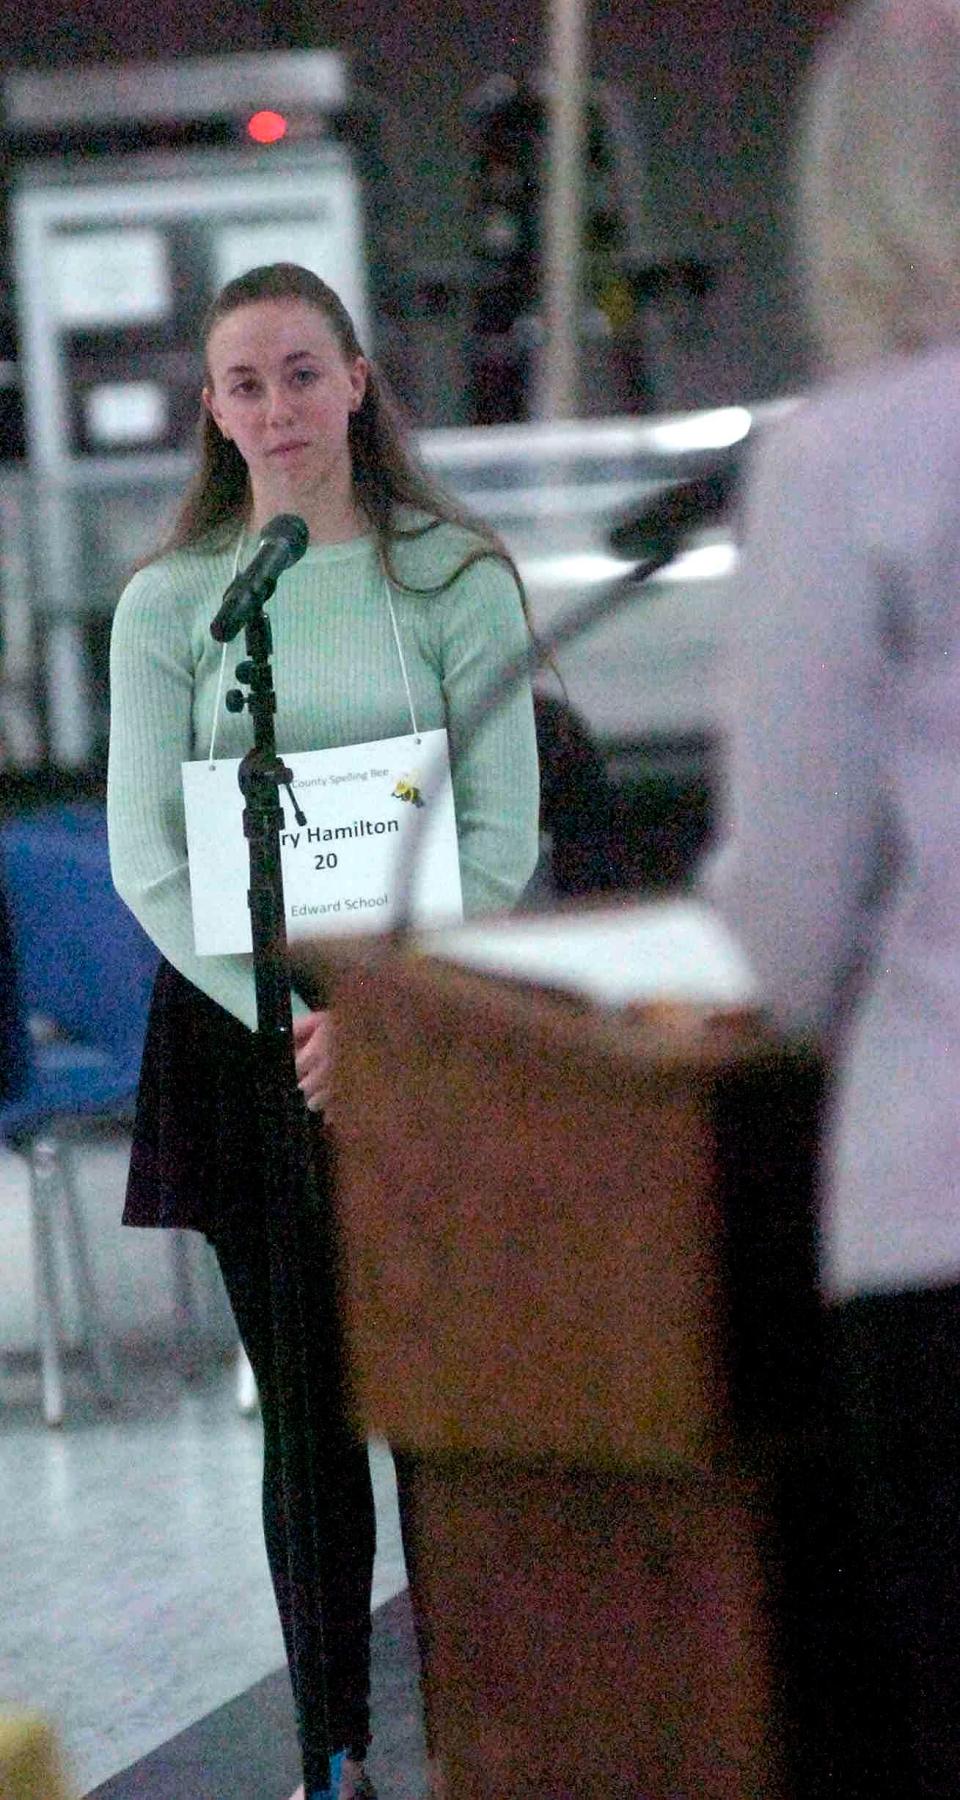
839, 859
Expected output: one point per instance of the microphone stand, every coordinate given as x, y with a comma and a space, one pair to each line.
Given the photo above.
502, 684
284, 1124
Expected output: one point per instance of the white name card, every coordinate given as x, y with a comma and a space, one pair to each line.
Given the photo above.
342, 868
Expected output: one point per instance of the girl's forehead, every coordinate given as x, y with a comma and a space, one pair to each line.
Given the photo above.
269, 328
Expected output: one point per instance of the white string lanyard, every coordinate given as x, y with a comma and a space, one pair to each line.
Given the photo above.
396, 638
403, 664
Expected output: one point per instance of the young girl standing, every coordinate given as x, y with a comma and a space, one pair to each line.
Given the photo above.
400, 599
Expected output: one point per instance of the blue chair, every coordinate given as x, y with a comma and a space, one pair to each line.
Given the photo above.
77, 1003
14, 1040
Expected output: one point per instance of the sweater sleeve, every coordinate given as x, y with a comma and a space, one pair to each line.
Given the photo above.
496, 782
151, 734
801, 811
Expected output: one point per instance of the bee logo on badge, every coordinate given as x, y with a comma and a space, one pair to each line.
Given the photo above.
408, 790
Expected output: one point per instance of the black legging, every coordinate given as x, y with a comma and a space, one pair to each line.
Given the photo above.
343, 1498
343, 1494
197, 1161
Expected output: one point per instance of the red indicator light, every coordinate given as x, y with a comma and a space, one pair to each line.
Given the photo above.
266, 127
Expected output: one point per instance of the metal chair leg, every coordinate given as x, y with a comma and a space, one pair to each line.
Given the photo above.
42, 1185
91, 1318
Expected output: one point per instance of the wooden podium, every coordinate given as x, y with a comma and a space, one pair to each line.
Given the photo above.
575, 1245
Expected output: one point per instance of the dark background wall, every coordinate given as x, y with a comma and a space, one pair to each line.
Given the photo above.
714, 86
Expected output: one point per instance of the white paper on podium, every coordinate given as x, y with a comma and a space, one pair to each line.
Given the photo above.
341, 869
665, 950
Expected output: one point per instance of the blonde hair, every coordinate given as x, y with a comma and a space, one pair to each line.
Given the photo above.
879, 182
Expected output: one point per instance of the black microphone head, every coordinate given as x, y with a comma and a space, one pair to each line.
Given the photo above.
288, 530
674, 512
283, 541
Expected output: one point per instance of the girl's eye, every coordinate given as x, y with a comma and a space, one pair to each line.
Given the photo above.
247, 386
305, 376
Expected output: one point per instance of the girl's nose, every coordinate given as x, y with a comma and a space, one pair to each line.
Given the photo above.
278, 404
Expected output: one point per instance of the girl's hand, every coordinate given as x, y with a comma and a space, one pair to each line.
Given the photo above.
313, 1045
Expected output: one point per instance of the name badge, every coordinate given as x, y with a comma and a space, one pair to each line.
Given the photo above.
341, 869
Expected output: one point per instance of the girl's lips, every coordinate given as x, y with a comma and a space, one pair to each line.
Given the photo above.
285, 449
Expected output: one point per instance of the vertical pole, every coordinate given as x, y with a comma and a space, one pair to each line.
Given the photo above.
287, 1187
563, 210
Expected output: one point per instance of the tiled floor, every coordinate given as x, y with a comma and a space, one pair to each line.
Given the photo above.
134, 1594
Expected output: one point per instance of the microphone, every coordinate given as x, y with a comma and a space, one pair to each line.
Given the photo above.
282, 543
674, 512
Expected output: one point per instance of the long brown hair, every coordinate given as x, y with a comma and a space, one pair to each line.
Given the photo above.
387, 475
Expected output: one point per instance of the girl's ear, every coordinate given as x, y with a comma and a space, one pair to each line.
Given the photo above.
358, 382
209, 402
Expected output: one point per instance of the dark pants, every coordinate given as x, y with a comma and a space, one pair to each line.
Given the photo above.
897, 1366
198, 1162
343, 1502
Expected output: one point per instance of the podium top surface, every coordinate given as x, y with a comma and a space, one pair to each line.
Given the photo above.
661, 983
615, 955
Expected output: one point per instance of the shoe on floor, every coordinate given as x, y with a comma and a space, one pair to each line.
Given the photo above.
355, 1783
348, 1781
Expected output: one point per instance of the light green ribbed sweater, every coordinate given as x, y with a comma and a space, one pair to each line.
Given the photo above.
338, 681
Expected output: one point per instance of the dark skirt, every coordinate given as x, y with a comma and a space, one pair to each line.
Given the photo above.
196, 1159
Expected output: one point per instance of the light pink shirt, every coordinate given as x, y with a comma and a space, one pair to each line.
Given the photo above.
840, 861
